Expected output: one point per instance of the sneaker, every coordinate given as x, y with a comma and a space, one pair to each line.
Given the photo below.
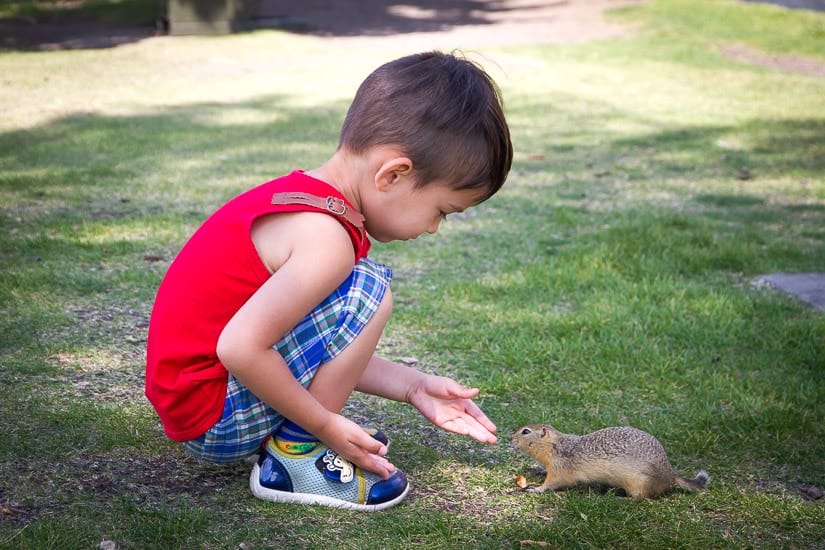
322, 477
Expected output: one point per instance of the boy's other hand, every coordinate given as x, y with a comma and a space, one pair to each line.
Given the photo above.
349, 440
450, 406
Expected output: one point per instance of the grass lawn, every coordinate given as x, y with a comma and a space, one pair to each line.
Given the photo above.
608, 283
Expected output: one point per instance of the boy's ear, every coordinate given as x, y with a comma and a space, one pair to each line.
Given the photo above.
391, 171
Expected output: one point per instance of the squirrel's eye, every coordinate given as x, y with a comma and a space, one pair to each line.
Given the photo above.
525, 431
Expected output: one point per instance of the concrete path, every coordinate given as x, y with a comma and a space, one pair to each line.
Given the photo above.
808, 287
816, 5
446, 24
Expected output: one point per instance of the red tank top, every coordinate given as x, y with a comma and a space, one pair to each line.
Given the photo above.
213, 275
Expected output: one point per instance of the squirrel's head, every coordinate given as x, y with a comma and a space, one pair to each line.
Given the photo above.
534, 435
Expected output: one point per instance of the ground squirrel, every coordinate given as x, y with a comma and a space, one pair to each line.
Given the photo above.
623, 457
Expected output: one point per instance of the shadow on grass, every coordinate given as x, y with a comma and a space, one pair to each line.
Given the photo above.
94, 207
380, 18
45, 26
642, 147
90, 203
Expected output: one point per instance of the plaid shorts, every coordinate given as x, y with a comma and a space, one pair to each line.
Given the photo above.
323, 334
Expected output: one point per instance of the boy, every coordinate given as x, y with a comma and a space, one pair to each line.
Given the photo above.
269, 317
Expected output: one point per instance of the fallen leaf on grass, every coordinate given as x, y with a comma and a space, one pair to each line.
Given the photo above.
521, 481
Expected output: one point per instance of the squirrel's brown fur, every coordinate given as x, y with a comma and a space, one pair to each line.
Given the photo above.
623, 457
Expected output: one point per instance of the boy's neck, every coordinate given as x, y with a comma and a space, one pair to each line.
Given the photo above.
345, 172
358, 175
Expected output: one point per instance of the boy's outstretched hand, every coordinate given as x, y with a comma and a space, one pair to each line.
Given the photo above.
449, 405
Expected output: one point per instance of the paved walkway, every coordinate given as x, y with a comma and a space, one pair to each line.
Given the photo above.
808, 287
446, 23
817, 5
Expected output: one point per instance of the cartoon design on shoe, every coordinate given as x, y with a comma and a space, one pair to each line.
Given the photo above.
335, 468
322, 477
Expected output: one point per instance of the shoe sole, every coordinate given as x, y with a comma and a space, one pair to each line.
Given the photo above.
265, 493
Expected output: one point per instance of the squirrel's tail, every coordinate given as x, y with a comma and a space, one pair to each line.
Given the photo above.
696, 484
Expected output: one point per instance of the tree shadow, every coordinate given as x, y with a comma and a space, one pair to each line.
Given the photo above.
53, 190
45, 26
344, 18
382, 18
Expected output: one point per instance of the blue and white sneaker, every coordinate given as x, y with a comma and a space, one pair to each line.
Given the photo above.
324, 478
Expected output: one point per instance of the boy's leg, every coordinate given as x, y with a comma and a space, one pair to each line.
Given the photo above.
294, 466
336, 380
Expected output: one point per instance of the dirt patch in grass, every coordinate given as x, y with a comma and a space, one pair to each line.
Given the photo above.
15, 512
147, 481
791, 63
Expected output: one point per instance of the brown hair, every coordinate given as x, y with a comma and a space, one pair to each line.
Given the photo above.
444, 112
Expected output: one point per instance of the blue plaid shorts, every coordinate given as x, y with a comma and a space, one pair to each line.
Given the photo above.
323, 334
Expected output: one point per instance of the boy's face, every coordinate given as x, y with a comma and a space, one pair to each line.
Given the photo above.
404, 212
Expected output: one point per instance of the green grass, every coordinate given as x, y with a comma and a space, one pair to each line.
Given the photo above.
608, 283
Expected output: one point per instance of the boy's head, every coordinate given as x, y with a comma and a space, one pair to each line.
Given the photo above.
444, 112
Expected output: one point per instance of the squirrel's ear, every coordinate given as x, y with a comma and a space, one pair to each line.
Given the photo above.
544, 431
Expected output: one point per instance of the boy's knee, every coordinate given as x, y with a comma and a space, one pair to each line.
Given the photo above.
385, 307
370, 284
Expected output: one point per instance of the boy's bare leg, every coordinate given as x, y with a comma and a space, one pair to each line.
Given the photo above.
308, 477
336, 380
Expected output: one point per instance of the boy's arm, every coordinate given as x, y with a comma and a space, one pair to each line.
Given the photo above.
316, 258
441, 400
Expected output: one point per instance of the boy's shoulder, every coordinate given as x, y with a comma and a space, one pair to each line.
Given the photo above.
299, 182
299, 192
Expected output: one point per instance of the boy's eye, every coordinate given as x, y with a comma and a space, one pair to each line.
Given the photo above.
444, 216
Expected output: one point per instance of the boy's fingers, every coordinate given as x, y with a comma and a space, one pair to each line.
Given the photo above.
457, 390
469, 426
370, 444
482, 419
475, 411
371, 456
377, 465
481, 432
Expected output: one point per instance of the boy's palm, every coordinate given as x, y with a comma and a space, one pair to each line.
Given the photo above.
449, 405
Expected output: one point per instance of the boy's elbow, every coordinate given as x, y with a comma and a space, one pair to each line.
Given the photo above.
230, 352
